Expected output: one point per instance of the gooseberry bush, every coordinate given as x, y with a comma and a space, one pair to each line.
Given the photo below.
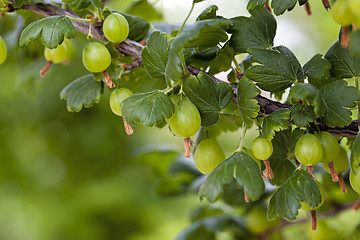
166, 77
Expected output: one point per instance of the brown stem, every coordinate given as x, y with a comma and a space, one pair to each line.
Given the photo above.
307, 8
188, 144
134, 49
128, 128
247, 199
310, 170
46, 68
313, 220
334, 175
268, 172
356, 205
342, 183
345, 36
326, 4
108, 79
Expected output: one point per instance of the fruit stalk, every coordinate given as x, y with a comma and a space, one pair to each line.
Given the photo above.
128, 128
356, 205
46, 68
268, 172
188, 144
313, 220
108, 79
334, 175
307, 8
342, 183
345, 36
247, 199
326, 4
310, 170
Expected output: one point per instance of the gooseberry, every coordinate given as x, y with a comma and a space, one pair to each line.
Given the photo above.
208, 155
116, 28
116, 99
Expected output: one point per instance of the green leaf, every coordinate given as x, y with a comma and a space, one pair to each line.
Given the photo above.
210, 98
280, 6
317, 69
247, 174
208, 13
138, 81
258, 31
174, 67
19, 3
283, 168
285, 202
254, 3
308, 94
223, 60
147, 108
302, 115
155, 55
144, 10
197, 1
248, 107
276, 121
279, 69
338, 98
138, 27
206, 33
84, 91
354, 46
98, 3
343, 64
52, 31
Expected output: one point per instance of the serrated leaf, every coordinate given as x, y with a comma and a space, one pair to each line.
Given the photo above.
247, 174
258, 31
302, 115
275, 122
138, 27
19, 3
285, 202
139, 81
317, 69
254, 3
52, 31
344, 65
98, 3
279, 69
354, 46
155, 55
206, 33
210, 98
223, 60
208, 13
84, 91
150, 109
248, 107
338, 98
283, 143
174, 68
280, 6
308, 94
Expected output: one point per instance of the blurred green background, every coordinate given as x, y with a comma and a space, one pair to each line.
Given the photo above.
74, 176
